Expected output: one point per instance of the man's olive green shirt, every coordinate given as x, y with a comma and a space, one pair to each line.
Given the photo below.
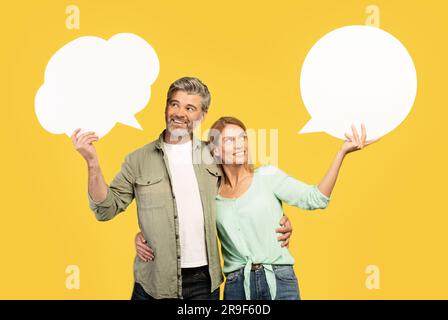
145, 175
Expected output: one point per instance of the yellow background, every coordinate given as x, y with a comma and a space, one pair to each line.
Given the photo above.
388, 208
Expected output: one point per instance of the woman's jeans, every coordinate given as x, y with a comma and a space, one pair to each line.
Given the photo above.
287, 285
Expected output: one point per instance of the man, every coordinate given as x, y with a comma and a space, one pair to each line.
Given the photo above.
174, 180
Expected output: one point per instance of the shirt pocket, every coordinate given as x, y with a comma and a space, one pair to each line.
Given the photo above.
212, 176
211, 180
149, 192
213, 171
233, 276
284, 272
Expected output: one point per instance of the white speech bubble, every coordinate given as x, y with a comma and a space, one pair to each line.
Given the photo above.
354, 75
92, 84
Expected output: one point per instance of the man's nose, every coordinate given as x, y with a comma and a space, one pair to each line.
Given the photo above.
180, 113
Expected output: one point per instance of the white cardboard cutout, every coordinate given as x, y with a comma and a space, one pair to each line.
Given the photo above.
92, 83
354, 75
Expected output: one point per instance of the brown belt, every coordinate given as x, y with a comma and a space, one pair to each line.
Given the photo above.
256, 267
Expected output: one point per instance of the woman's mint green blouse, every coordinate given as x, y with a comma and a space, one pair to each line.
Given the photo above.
246, 225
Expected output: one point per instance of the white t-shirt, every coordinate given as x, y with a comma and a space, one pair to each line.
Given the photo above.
189, 205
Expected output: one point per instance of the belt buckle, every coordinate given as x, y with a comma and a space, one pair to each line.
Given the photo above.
256, 267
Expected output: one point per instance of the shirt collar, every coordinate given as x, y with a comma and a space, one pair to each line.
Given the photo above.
159, 143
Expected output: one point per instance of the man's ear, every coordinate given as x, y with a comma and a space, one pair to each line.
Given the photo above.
213, 149
216, 153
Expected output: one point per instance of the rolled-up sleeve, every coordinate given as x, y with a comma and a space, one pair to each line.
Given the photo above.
120, 194
295, 192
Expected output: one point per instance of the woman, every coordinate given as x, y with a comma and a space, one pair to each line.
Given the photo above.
249, 205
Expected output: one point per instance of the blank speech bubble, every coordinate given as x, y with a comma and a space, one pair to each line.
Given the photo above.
92, 83
354, 75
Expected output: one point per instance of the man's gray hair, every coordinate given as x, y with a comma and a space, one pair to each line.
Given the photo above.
190, 85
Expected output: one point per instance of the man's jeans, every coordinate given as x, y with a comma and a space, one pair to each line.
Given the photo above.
287, 286
196, 285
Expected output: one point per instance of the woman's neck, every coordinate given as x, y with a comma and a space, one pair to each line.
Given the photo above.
234, 173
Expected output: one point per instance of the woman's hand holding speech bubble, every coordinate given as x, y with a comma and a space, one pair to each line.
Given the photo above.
353, 142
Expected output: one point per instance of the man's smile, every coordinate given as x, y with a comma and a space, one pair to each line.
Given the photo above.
179, 122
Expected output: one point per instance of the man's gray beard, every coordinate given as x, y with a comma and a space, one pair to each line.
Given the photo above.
178, 134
